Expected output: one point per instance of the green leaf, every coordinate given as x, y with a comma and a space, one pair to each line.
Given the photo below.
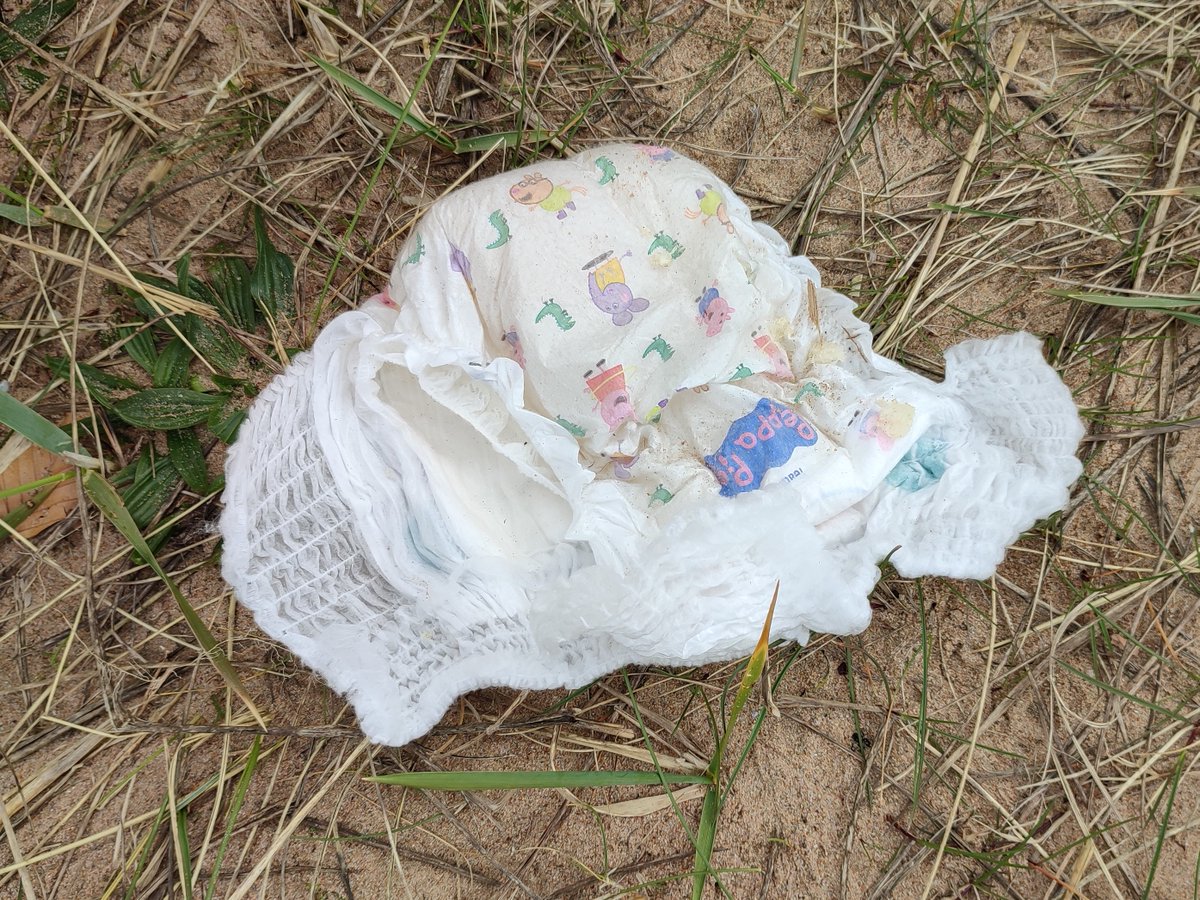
41, 431
103, 387
214, 343
140, 347
171, 368
193, 287
230, 277
226, 427
27, 216
188, 457
271, 280
109, 503
389, 106
168, 408
33, 25
488, 781
152, 481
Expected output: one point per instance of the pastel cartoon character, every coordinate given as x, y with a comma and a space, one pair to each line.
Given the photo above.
561, 317
622, 465
462, 265
742, 371
711, 204
610, 293
780, 367
608, 387
497, 221
656, 411
513, 340
656, 153
538, 191
887, 422
714, 310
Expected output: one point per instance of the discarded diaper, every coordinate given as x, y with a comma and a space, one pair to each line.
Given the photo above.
596, 415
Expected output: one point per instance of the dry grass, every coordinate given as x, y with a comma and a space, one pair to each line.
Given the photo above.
958, 169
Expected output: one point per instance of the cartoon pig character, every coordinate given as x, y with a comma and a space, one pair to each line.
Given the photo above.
656, 152
538, 191
608, 387
887, 422
715, 311
513, 340
610, 293
780, 367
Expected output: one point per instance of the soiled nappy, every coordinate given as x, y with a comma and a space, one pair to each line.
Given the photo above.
597, 413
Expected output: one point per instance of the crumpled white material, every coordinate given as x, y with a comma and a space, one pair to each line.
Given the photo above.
594, 418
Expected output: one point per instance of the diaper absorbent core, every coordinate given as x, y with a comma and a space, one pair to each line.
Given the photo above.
596, 415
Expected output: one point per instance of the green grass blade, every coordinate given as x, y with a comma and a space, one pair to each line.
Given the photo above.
706, 835
1128, 301
504, 781
109, 503
501, 139
235, 806
41, 431
185, 852
1176, 774
389, 106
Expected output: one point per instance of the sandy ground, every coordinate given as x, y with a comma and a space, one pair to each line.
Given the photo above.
1065, 745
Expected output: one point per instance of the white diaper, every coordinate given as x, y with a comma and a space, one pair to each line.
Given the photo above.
596, 415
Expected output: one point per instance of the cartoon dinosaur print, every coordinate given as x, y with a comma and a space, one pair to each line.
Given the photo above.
711, 204
610, 293
659, 346
500, 223
571, 427
808, 389
607, 170
608, 387
661, 495
561, 317
418, 251
663, 241
536, 191
714, 311
742, 371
